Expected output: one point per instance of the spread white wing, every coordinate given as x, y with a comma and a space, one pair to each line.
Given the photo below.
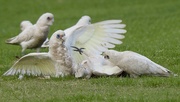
95, 38
33, 64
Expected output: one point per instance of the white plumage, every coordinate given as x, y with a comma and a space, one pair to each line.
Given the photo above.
98, 66
33, 36
61, 60
45, 44
83, 21
95, 38
51, 63
136, 64
24, 24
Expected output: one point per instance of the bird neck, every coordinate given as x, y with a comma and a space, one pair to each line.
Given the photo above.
56, 49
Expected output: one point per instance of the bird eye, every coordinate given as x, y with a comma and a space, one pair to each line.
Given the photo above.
58, 36
48, 18
106, 57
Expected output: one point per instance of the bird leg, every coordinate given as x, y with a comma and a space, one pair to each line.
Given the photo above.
78, 49
37, 50
23, 52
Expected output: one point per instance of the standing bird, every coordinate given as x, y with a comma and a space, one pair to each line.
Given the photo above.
44, 64
136, 64
97, 38
33, 36
24, 24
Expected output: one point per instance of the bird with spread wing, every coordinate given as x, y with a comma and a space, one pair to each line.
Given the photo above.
95, 65
44, 64
61, 59
95, 38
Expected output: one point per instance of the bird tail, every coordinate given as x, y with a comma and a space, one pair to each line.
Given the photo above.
9, 41
166, 72
173, 74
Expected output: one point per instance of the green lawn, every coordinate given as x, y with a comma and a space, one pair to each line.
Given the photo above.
152, 30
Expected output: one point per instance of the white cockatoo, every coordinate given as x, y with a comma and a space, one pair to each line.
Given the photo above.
96, 65
34, 36
135, 64
44, 64
24, 24
95, 38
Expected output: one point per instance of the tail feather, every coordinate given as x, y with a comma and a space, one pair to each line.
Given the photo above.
159, 70
9, 41
172, 73
167, 72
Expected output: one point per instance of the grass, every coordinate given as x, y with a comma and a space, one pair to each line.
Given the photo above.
153, 31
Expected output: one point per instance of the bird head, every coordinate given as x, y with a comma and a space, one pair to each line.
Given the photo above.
46, 19
82, 70
57, 37
111, 55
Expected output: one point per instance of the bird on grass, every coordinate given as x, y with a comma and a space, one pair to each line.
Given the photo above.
33, 36
95, 65
135, 64
44, 64
24, 24
95, 38
61, 58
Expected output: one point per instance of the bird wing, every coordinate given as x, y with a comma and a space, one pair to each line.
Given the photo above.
102, 66
25, 35
95, 38
33, 64
46, 43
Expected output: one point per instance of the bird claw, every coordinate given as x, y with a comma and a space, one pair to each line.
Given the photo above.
78, 49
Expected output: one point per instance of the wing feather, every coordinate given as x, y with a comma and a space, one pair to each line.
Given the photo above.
33, 64
114, 26
117, 36
25, 35
95, 38
109, 22
115, 30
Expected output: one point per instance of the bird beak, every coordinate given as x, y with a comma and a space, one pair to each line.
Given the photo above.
61, 36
